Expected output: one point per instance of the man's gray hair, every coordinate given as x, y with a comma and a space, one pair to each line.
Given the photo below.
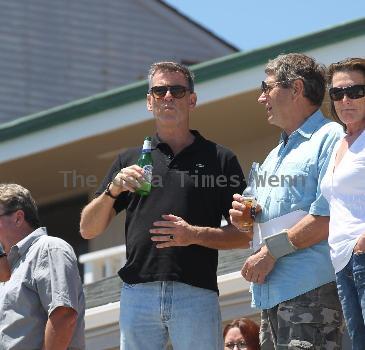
171, 67
14, 197
289, 67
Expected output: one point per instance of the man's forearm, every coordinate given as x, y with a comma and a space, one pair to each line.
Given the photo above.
227, 237
59, 329
96, 216
173, 231
309, 231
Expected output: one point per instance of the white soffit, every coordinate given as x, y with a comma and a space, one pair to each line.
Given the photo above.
133, 113
75, 130
333, 53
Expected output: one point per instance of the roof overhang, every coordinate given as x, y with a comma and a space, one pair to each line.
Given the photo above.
120, 108
66, 151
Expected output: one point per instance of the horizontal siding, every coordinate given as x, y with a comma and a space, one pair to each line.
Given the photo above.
53, 52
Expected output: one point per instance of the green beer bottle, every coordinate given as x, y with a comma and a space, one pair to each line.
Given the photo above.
145, 162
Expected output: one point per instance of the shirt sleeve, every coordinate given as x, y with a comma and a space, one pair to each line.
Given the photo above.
320, 205
57, 278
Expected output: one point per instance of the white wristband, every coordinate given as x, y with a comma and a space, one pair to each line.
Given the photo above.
279, 244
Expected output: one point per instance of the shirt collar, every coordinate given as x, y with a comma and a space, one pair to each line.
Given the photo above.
309, 126
26, 242
157, 142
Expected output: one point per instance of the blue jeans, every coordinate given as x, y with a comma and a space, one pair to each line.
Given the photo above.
152, 312
351, 290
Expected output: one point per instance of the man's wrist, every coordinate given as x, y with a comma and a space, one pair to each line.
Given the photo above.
279, 244
108, 191
198, 234
265, 251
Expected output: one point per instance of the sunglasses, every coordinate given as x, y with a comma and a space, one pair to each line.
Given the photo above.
267, 87
176, 91
241, 345
353, 92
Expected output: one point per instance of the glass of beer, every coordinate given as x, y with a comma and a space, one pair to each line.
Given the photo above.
249, 200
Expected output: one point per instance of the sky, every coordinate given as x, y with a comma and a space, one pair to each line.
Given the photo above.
253, 24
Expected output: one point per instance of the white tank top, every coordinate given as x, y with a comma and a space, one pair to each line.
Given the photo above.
344, 189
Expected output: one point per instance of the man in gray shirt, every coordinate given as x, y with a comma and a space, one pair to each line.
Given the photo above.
42, 305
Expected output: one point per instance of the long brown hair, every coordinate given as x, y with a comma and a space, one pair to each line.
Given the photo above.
352, 64
249, 330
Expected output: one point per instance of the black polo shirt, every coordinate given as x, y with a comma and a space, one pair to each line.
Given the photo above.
197, 184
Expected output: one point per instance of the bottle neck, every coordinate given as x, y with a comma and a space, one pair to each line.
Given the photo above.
146, 146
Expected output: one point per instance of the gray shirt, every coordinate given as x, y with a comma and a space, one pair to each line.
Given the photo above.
44, 276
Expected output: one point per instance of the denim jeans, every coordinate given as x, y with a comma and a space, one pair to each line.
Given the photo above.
152, 312
351, 290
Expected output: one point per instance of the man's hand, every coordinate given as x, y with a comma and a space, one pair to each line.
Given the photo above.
172, 232
360, 245
258, 266
128, 179
239, 212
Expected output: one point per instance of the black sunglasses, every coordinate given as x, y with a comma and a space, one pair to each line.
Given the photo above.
177, 91
267, 87
353, 92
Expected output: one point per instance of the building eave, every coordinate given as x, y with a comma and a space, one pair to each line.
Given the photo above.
204, 72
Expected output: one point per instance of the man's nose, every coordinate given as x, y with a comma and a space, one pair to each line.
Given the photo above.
262, 98
168, 96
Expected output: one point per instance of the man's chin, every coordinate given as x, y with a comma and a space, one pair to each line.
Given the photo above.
167, 118
270, 119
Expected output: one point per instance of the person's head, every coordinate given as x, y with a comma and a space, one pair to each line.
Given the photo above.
347, 90
171, 67
295, 85
171, 94
241, 334
18, 210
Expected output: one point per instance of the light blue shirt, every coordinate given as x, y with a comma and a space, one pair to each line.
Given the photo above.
290, 180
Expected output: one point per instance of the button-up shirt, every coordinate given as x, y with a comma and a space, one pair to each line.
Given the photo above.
289, 180
44, 276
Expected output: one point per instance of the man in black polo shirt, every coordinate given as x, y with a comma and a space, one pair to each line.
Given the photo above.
172, 235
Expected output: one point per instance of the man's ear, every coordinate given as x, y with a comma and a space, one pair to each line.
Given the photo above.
149, 102
192, 100
298, 88
19, 217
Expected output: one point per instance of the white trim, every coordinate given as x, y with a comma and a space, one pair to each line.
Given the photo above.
103, 254
336, 52
231, 284
75, 130
124, 116
102, 263
102, 315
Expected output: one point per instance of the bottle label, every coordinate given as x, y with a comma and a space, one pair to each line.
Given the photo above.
147, 169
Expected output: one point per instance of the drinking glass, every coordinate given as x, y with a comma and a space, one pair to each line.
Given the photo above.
249, 199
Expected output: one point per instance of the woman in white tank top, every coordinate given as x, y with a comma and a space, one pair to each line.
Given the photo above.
344, 188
